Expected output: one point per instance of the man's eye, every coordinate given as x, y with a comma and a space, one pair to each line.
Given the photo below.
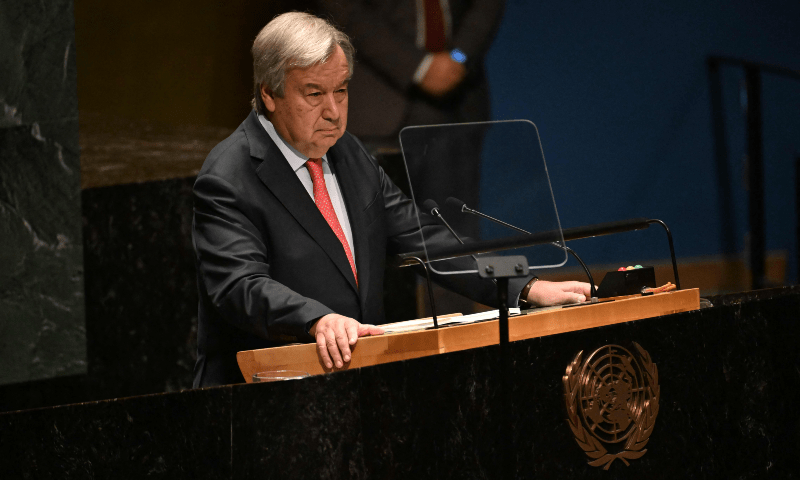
315, 94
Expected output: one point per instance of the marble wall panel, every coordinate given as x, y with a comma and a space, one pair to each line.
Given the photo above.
141, 292
181, 436
299, 429
433, 417
42, 330
141, 298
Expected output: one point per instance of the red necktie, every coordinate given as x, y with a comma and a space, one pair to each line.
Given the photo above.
323, 202
434, 26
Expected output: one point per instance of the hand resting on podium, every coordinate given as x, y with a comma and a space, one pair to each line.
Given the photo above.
335, 334
545, 294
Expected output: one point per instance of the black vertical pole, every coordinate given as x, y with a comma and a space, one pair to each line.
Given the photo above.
755, 176
502, 301
725, 197
505, 377
430, 290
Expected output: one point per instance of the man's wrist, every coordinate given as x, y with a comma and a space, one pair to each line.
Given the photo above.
312, 325
458, 56
523, 295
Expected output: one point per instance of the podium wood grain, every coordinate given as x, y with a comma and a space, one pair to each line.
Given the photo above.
392, 347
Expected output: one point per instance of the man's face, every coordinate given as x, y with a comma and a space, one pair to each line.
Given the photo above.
312, 115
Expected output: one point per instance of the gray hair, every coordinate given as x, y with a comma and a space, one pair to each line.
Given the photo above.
293, 40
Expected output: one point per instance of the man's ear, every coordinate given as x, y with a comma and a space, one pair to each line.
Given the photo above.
268, 98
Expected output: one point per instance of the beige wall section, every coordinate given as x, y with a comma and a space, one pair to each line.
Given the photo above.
178, 61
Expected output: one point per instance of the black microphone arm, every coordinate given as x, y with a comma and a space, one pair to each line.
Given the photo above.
431, 206
588, 231
460, 205
518, 241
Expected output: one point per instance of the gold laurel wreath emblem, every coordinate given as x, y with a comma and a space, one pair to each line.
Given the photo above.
640, 434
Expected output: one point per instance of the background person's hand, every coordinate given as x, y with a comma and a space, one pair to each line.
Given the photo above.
443, 75
336, 335
544, 293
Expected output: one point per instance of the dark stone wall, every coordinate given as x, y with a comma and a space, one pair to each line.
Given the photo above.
141, 293
141, 298
42, 332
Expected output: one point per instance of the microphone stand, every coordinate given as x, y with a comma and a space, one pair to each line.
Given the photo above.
430, 288
501, 269
466, 209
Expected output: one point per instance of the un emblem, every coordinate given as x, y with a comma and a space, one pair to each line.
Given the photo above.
612, 403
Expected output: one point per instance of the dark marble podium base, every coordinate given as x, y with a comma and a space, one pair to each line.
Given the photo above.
729, 378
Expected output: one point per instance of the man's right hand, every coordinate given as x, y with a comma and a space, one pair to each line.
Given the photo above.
336, 335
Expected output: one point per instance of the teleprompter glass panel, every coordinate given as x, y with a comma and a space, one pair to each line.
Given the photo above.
490, 168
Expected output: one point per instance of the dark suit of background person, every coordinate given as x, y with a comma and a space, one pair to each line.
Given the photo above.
384, 98
268, 264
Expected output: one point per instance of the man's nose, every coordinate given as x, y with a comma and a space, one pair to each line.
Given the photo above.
330, 108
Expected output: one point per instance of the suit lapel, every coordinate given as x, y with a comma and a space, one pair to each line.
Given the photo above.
276, 174
349, 184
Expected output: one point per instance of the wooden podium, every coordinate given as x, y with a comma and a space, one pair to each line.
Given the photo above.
424, 342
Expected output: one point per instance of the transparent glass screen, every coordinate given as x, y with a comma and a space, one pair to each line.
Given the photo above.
495, 168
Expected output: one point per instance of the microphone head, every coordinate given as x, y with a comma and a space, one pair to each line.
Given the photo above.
429, 206
455, 203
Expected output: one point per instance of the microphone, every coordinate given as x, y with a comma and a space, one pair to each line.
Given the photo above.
462, 207
431, 206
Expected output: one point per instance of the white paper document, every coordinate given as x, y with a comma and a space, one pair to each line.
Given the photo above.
423, 323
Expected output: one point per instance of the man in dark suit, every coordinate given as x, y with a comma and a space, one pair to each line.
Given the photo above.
293, 219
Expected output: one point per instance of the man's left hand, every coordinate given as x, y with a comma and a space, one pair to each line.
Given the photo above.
336, 336
544, 293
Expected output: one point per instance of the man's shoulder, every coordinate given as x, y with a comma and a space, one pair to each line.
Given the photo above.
351, 148
233, 154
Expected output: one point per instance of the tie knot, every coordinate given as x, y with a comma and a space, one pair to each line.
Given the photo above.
314, 166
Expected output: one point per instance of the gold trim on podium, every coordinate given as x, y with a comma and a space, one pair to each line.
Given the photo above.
392, 347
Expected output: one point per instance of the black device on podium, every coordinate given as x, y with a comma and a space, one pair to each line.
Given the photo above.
627, 282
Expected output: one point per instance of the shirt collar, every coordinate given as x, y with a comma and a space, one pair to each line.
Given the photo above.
296, 159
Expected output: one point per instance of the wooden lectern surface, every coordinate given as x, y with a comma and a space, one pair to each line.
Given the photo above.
392, 347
